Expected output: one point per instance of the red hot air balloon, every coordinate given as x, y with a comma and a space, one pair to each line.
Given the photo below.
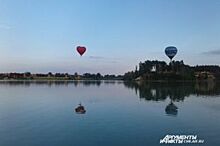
81, 50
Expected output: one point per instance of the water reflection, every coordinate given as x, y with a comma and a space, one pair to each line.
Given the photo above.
47, 107
175, 91
156, 91
171, 109
58, 83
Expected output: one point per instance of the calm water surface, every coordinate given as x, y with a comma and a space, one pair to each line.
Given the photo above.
118, 114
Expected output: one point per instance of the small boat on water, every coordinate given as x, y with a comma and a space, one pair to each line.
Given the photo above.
80, 109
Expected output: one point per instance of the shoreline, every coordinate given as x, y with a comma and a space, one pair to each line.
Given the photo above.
54, 80
91, 80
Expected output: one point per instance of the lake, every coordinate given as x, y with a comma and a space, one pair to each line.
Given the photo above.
117, 113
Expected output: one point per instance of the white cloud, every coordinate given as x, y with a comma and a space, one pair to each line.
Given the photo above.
212, 52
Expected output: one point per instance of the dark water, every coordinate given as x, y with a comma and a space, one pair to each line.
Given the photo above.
118, 114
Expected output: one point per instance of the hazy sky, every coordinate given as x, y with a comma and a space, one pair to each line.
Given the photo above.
41, 35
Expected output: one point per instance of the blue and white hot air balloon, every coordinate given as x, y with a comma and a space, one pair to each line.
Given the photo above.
171, 51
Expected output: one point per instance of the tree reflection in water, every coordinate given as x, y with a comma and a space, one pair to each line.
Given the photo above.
176, 91
150, 91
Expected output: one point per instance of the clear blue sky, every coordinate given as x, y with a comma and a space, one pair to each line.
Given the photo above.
41, 35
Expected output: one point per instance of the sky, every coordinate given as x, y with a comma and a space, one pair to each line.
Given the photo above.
42, 35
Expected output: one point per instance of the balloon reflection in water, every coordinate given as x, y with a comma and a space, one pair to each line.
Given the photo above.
171, 109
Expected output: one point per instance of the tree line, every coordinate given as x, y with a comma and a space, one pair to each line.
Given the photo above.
175, 70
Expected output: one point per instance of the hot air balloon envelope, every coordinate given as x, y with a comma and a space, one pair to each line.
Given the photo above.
171, 51
81, 50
